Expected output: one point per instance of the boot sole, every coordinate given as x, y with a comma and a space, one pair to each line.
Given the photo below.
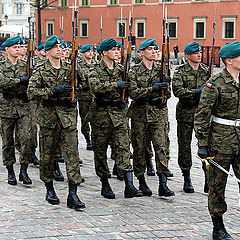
188, 191
162, 195
108, 197
147, 194
76, 208
12, 183
132, 196
24, 182
53, 202
151, 174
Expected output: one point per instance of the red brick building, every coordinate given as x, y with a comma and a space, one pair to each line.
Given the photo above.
190, 20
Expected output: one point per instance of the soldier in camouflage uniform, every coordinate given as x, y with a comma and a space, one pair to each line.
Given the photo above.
23, 49
218, 131
109, 122
146, 113
57, 117
188, 81
15, 111
41, 55
84, 96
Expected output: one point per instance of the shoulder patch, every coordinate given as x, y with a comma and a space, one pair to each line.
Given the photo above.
209, 85
176, 71
34, 71
90, 69
130, 70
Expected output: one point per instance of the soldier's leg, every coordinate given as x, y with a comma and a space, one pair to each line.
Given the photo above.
217, 180
122, 148
167, 128
149, 155
23, 131
184, 133
56, 155
159, 140
8, 149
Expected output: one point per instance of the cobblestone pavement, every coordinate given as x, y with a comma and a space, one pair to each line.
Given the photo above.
24, 213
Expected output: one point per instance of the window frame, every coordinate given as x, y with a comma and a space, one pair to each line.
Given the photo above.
118, 30
228, 19
17, 8
49, 21
173, 20
84, 21
140, 20
81, 5
198, 20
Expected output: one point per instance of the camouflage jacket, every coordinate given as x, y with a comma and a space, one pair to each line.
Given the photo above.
13, 96
39, 61
185, 80
103, 85
219, 98
84, 91
49, 112
141, 80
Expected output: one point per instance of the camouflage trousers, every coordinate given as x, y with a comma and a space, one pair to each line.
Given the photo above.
83, 110
22, 128
158, 135
67, 139
217, 180
101, 138
184, 134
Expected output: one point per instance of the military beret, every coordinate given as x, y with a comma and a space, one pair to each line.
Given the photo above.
156, 46
147, 43
3, 46
13, 40
53, 40
119, 44
64, 44
23, 41
192, 47
40, 47
36, 47
98, 49
107, 44
86, 48
231, 50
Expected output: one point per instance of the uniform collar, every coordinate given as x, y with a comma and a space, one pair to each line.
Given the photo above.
228, 77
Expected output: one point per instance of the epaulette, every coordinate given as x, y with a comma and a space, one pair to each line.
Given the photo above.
204, 66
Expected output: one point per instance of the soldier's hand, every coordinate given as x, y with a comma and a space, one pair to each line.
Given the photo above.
122, 84
24, 80
159, 86
202, 152
66, 89
198, 90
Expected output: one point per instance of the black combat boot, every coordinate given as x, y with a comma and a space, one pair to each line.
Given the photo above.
58, 174
163, 189
11, 176
219, 231
106, 190
23, 176
73, 200
187, 186
146, 191
89, 142
117, 173
35, 160
150, 168
130, 191
51, 196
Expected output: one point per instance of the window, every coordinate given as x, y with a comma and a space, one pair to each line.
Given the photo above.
2, 8
139, 1
113, 2
140, 27
84, 28
49, 28
19, 8
228, 27
121, 29
166, 0
172, 29
64, 3
85, 2
199, 27
44, 3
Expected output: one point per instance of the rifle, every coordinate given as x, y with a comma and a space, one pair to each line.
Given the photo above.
210, 72
122, 47
74, 53
167, 64
128, 57
101, 29
30, 52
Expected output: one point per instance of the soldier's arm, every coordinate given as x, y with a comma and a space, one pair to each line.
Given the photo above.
178, 89
82, 82
100, 87
202, 118
136, 92
7, 83
35, 89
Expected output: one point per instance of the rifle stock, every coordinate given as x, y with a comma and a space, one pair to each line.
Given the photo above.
30, 57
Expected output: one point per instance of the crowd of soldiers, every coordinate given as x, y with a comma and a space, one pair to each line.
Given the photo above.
209, 106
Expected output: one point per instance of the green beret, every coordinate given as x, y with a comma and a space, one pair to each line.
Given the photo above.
107, 44
231, 50
40, 47
3, 46
23, 41
13, 40
119, 44
156, 46
53, 40
147, 43
192, 47
98, 49
86, 48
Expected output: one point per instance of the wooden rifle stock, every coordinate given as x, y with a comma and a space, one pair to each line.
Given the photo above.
30, 56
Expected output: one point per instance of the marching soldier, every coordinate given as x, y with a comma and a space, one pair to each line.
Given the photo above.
57, 117
218, 130
109, 122
41, 54
188, 81
23, 49
146, 113
84, 95
15, 111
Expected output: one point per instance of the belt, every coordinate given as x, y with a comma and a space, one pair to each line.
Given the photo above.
227, 122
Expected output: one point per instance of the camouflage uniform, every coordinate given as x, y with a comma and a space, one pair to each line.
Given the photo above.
185, 80
57, 120
219, 98
147, 118
108, 119
15, 113
84, 97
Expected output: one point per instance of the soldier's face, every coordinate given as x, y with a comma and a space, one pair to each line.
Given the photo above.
235, 62
67, 52
195, 57
158, 55
55, 52
88, 54
13, 51
149, 53
111, 54
42, 52
23, 50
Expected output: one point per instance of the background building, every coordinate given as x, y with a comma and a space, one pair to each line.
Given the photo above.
190, 20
